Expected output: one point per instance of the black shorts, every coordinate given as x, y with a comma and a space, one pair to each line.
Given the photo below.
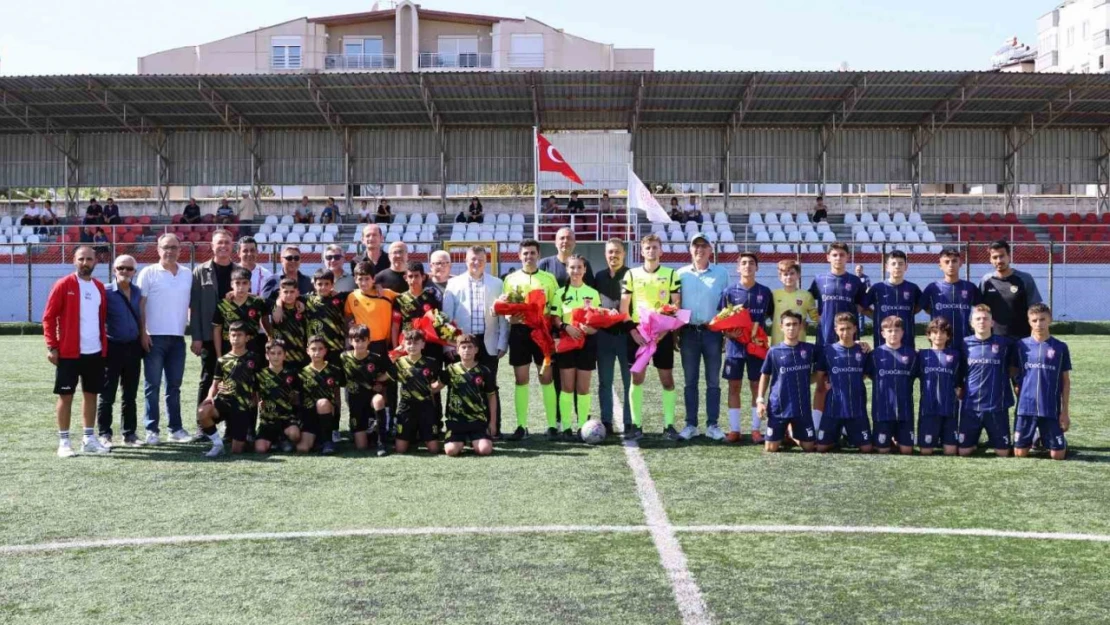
522, 349
89, 369
360, 407
466, 431
584, 359
664, 352
274, 430
238, 420
418, 422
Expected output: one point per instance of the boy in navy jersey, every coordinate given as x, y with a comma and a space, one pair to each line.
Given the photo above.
988, 368
841, 366
951, 297
890, 367
940, 369
759, 302
897, 296
787, 371
836, 292
1044, 387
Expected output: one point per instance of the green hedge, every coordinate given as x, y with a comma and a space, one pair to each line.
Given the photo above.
20, 329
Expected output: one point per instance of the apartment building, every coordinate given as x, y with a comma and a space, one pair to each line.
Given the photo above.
1075, 37
404, 38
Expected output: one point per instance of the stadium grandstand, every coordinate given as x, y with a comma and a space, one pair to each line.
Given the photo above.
924, 138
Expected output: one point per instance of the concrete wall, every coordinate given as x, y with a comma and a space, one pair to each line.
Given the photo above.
633, 59
176, 61
247, 53
386, 30
406, 37
561, 51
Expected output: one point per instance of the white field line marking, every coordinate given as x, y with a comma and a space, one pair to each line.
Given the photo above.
880, 529
378, 531
687, 595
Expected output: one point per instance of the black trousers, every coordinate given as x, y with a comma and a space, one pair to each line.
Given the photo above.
207, 370
122, 368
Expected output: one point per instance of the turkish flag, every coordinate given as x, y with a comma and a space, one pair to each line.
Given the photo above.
551, 160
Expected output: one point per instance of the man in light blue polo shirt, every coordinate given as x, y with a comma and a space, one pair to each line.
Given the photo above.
701, 286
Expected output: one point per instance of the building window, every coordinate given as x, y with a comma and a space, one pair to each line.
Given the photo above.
285, 52
365, 53
458, 52
1100, 62
526, 51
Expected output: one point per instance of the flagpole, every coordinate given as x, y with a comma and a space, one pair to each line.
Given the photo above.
536, 178
628, 204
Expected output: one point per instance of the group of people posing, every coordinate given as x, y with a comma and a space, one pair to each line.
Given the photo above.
281, 354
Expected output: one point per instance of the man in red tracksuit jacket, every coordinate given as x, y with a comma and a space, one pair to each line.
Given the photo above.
74, 324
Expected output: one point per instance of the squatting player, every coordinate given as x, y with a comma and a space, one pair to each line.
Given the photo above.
788, 371
841, 366
890, 367
233, 394
471, 401
940, 369
988, 365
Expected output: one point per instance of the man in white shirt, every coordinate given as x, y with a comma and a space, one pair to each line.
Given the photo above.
248, 259
32, 216
468, 302
164, 310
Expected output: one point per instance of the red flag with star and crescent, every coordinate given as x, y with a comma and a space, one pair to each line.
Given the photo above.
552, 160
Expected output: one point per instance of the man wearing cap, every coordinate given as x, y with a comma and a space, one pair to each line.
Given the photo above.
701, 285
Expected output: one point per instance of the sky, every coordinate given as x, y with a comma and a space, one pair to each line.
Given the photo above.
80, 37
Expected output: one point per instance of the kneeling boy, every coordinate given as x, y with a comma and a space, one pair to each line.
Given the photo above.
890, 367
788, 372
940, 369
278, 393
366, 373
841, 366
233, 394
319, 382
471, 401
417, 377
988, 367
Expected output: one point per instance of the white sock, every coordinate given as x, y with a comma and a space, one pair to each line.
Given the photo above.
756, 426
63, 436
734, 420
217, 440
817, 420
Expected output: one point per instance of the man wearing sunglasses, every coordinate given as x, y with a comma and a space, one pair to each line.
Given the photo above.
125, 353
290, 268
335, 260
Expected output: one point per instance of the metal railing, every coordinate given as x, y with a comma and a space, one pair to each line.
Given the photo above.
464, 60
360, 61
589, 226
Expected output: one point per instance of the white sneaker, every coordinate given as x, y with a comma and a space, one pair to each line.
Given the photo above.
715, 433
93, 446
215, 452
335, 437
65, 450
106, 441
688, 432
180, 436
152, 439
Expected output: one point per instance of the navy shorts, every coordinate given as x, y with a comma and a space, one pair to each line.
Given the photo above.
935, 430
801, 430
997, 425
888, 433
858, 431
734, 368
1052, 435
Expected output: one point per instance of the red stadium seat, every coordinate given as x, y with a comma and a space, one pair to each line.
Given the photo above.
176, 219
1075, 219
1043, 219
145, 220
208, 219
949, 219
1011, 218
995, 218
1059, 219
964, 218
1090, 218
979, 218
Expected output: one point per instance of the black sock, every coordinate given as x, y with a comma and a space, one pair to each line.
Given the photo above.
382, 418
209, 431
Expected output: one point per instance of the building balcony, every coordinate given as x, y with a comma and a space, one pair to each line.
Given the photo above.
466, 60
526, 60
356, 62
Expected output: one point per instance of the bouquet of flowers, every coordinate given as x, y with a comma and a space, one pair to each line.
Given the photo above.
596, 318
396, 353
654, 324
437, 328
737, 320
533, 308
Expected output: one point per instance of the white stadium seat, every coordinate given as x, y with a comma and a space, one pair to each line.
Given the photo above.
828, 237
287, 220
802, 218
883, 218
762, 237
784, 249
518, 219
899, 218
767, 249
850, 218
915, 218
878, 237
720, 218
503, 218
416, 219
271, 220
730, 248
778, 237
861, 237
316, 229
755, 218
770, 218
400, 219
431, 218
786, 218
866, 218
727, 236
299, 228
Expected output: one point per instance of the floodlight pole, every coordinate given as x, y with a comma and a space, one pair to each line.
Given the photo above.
536, 178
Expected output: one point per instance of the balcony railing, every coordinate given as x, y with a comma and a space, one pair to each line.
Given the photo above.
360, 61
465, 60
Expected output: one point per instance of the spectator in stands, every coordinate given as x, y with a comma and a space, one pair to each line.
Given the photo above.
365, 215
211, 284
1009, 293
101, 240
290, 268
73, 325
47, 216
88, 234
474, 214
111, 213
372, 241
303, 214
163, 311
820, 213
393, 278
125, 353
335, 259
94, 214
225, 214
248, 207
440, 267
575, 205
32, 216
551, 207
248, 259
330, 214
384, 214
191, 214
605, 205
693, 212
677, 214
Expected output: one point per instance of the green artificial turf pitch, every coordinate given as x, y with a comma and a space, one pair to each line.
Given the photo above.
536, 577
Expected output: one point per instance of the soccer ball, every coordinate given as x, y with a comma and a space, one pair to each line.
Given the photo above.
592, 432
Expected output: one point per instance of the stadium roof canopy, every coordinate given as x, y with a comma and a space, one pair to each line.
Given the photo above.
553, 100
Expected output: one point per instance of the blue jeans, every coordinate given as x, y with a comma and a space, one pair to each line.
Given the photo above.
166, 353
698, 344
613, 349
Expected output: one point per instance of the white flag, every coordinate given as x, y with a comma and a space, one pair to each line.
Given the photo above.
641, 199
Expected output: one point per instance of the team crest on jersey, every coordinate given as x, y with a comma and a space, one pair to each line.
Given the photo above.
803, 353
859, 357
949, 358
335, 302
370, 367
427, 373
1051, 353
252, 313
905, 295
797, 302
250, 364
759, 299
331, 382
288, 379
478, 380
994, 349
905, 360
963, 293
1013, 288
848, 286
